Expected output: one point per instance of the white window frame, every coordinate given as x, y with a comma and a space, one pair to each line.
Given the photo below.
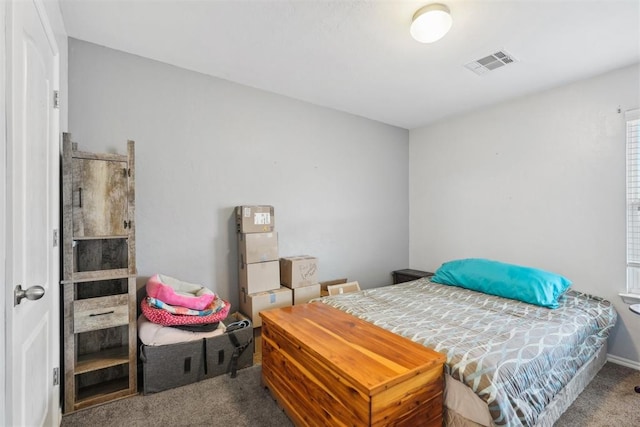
633, 202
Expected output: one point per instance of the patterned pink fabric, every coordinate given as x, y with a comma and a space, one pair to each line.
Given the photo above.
163, 317
177, 292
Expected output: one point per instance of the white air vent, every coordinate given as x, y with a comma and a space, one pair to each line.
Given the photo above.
491, 62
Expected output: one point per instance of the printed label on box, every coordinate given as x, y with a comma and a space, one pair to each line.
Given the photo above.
262, 218
307, 270
298, 271
247, 212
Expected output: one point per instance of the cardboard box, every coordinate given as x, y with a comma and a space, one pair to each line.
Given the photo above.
259, 276
305, 294
343, 288
255, 219
173, 365
298, 271
323, 285
257, 247
252, 304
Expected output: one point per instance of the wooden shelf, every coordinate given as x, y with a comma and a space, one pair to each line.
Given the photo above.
103, 392
98, 276
100, 237
103, 359
92, 276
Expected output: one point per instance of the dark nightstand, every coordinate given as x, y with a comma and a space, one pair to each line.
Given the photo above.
407, 275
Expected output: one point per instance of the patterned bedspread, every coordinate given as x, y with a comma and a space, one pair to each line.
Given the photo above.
513, 355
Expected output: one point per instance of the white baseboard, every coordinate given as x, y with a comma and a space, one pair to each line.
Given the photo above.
622, 361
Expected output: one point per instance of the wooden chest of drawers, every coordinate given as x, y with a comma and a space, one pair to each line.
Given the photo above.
326, 367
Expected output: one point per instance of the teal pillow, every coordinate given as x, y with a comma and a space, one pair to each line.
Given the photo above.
525, 284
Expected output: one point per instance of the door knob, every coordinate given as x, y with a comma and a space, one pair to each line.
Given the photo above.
33, 293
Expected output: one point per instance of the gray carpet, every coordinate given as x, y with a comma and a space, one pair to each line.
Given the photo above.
219, 401
608, 401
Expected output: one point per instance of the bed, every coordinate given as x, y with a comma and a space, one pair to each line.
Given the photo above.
509, 363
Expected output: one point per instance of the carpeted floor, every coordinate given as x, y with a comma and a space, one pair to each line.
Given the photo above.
219, 401
608, 401
222, 401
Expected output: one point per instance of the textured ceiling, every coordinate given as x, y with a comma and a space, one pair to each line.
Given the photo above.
358, 56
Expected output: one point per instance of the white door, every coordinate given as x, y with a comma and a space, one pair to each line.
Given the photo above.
32, 200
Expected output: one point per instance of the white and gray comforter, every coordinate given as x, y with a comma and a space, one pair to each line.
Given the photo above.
515, 356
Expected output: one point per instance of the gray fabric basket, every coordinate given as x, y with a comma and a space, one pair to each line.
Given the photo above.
174, 365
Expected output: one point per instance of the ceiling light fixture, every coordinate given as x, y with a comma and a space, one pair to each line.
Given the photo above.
430, 23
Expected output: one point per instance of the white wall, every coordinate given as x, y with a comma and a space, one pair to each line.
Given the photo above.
339, 183
537, 181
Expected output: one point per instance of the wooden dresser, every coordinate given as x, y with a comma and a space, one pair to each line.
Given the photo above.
326, 367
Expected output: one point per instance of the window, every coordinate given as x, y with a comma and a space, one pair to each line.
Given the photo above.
633, 201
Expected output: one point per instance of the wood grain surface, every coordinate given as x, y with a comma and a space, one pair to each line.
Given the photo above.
326, 367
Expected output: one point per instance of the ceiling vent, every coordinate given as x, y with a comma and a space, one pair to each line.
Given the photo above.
491, 62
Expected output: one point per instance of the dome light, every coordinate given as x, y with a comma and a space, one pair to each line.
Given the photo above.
431, 23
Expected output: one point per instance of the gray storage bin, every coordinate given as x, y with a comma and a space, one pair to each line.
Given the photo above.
175, 365
229, 352
169, 366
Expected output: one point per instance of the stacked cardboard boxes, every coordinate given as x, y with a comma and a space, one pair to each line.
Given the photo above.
300, 274
259, 267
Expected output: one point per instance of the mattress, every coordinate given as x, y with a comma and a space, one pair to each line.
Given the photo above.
513, 356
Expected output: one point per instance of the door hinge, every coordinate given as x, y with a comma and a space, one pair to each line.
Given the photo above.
56, 376
56, 99
55, 238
